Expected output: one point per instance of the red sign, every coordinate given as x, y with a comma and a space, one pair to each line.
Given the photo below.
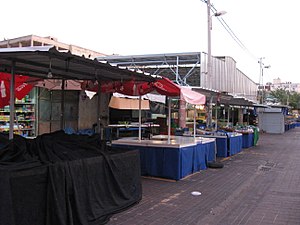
21, 88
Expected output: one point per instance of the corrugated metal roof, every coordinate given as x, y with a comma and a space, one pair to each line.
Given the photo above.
153, 59
37, 61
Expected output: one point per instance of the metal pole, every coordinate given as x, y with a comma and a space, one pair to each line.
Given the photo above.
263, 86
12, 102
209, 116
169, 120
140, 118
209, 74
194, 121
260, 80
62, 106
98, 110
228, 116
209, 70
288, 95
216, 117
177, 73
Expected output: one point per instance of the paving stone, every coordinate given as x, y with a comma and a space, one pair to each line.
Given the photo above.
259, 186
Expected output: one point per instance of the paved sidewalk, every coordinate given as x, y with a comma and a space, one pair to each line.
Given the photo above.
259, 186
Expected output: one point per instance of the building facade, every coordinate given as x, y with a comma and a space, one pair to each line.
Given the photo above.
279, 84
34, 40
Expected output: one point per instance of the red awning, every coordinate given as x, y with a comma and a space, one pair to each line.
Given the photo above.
166, 87
21, 87
163, 86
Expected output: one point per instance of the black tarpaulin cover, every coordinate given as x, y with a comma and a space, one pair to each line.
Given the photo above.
61, 179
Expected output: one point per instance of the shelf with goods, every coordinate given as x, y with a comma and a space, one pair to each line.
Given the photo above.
24, 118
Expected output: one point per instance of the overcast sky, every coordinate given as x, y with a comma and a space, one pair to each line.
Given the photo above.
268, 28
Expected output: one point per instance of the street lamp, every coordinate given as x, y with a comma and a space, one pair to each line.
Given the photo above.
209, 58
209, 28
261, 79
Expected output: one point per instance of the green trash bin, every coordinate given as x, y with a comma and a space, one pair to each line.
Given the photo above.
255, 136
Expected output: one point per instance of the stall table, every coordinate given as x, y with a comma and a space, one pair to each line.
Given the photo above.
117, 129
248, 139
175, 160
227, 145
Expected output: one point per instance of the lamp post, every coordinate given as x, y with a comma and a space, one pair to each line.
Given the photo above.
288, 94
209, 28
261, 79
209, 57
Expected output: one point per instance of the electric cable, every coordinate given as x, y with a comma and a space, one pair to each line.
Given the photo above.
230, 32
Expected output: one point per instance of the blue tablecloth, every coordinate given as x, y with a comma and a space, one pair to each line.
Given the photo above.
222, 147
173, 163
248, 140
235, 144
229, 146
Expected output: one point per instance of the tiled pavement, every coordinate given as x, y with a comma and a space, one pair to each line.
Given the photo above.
259, 186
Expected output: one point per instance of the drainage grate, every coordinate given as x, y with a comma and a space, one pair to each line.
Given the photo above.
264, 168
270, 164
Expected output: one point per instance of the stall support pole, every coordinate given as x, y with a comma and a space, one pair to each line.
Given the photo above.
228, 116
209, 116
169, 120
194, 121
98, 110
216, 116
140, 118
12, 102
62, 106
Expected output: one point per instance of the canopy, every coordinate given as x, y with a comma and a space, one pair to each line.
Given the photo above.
47, 62
56, 84
43, 61
192, 97
163, 86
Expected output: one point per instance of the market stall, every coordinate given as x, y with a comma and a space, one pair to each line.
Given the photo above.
248, 139
175, 160
46, 62
227, 143
58, 177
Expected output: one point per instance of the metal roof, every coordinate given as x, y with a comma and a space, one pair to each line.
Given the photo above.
224, 98
153, 59
37, 61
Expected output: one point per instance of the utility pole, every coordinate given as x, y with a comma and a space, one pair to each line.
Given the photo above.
261, 86
209, 58
209, 27
209, 74
260, 82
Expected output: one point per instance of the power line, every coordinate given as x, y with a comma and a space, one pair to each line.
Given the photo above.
230, 32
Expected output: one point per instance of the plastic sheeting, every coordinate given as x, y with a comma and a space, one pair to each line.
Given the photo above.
65, 179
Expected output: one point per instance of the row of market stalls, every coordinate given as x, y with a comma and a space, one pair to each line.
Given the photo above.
57, 178
63, 169
226, 88
67, 163
132, 85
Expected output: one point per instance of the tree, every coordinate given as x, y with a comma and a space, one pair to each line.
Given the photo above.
286, 97
281, 95
294, 100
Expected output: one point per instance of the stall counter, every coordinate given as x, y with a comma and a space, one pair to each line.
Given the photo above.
174, 160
